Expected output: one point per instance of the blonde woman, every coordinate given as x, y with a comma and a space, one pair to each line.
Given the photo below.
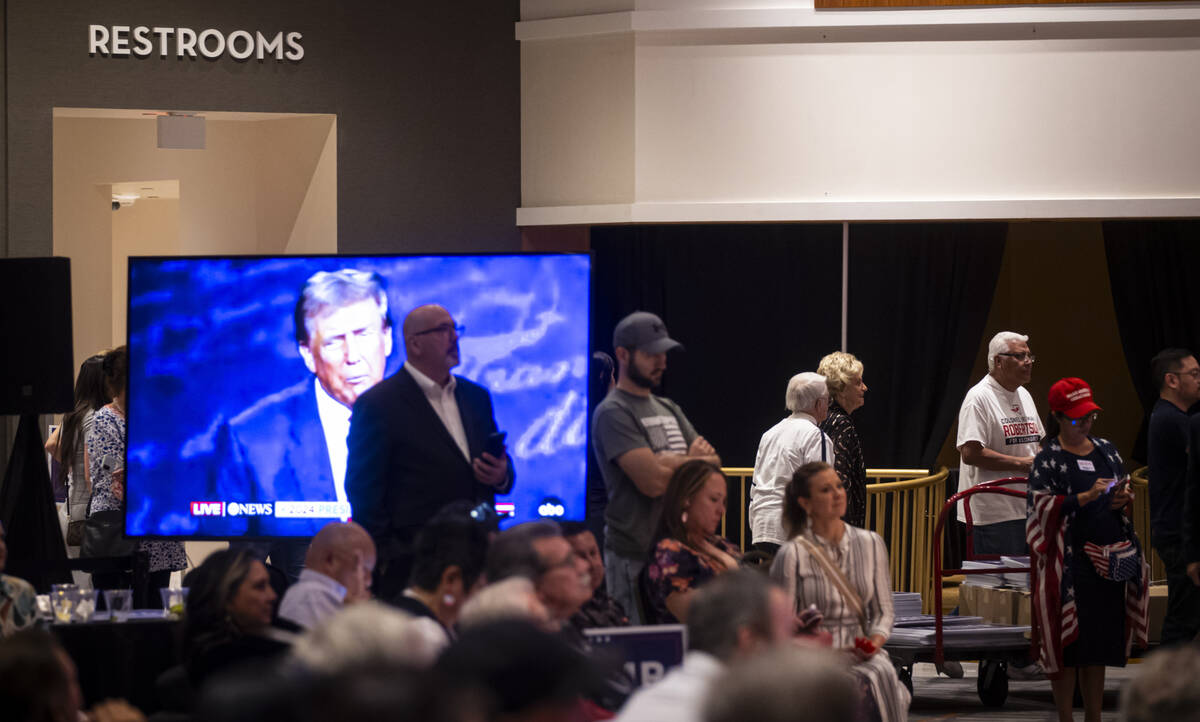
844, 376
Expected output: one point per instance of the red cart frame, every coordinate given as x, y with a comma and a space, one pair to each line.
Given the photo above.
996, 486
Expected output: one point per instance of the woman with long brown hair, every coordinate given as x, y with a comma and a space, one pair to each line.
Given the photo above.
687, 550
842, 571
67, 445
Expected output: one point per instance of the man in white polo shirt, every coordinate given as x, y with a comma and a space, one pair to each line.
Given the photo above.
998, 435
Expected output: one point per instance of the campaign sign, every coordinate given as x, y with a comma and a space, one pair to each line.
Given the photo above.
647, 652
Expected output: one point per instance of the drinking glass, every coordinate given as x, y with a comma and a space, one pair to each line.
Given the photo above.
120, 603
85, 604
173, 600
63, 598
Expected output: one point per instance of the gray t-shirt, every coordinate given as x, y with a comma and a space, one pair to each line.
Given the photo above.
624, 422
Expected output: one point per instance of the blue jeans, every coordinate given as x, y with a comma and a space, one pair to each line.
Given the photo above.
621, 576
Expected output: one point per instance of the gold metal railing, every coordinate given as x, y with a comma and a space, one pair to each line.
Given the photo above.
904, 512
1140, 484
902, 507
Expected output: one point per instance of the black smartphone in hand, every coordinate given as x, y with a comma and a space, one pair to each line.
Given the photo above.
494, 444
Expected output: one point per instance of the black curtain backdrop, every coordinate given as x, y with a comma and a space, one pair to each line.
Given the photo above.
752, 304
920, 294
1152, 267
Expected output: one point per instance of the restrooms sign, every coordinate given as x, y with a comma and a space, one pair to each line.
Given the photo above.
142, 41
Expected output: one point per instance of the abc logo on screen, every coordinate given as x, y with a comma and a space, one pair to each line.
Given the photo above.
551, 508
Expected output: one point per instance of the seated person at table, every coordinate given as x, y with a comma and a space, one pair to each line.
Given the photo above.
537, 551
371, 634
228, 615
512, 598
843, 571
449, 555
39, 683
734, 618
337, 571
772, 687
601, 610
687, 550
18, 601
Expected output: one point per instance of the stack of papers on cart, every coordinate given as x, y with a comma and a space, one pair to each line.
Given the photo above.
906, 604
984, 580
927, 620
962, 635
1020, 580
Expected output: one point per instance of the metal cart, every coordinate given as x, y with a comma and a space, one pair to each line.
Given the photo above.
993, 658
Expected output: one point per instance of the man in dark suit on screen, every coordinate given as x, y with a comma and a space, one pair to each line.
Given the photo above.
417, 443
291, 445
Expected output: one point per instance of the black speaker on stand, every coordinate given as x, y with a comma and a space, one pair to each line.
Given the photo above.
36, 377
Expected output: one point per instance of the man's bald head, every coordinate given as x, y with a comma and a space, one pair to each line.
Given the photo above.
431, 341
345, 552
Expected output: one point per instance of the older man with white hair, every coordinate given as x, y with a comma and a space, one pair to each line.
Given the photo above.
787, 446
998, 435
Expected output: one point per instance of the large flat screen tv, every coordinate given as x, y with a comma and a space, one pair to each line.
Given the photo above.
214, 340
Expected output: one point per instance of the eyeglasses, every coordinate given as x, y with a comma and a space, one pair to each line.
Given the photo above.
458, 329
1194, 373
1020, 357
1082, 419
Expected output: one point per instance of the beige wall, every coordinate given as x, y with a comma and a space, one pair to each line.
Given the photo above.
148, 227
261, 186
295, 172
766, 110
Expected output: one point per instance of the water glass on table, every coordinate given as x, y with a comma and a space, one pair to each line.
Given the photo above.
63, 598
85, 604
173, 600
120, 603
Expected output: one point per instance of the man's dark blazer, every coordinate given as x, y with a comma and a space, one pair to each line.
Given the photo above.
404, 466
275, 451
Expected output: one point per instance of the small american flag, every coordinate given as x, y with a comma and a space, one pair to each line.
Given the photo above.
1120, 562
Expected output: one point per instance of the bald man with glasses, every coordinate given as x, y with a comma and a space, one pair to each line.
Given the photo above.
417, 444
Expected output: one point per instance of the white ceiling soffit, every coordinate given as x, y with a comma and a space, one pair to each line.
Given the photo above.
136, 114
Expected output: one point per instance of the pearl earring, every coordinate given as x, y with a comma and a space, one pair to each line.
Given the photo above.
684, 516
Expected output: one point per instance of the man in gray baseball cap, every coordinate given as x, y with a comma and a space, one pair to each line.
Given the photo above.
639, 439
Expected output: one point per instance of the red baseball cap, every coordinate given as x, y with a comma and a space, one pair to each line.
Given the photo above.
1072, 397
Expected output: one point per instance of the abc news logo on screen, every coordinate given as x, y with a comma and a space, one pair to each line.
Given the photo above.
232, 508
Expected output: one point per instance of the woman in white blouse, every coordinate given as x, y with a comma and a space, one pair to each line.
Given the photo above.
843, 571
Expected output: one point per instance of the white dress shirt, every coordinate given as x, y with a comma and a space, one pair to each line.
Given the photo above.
679, 696
312, 600
335, 422
441, 398
785, 447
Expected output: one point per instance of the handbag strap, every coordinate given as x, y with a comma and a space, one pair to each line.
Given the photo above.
839, 580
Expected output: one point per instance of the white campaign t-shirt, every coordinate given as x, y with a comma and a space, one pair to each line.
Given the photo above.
1006, 422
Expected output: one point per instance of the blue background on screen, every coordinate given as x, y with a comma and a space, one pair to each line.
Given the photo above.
209, 337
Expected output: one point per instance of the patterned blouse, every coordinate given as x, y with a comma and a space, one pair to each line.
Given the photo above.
848, 462
18, 605
676, 567
106, 451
